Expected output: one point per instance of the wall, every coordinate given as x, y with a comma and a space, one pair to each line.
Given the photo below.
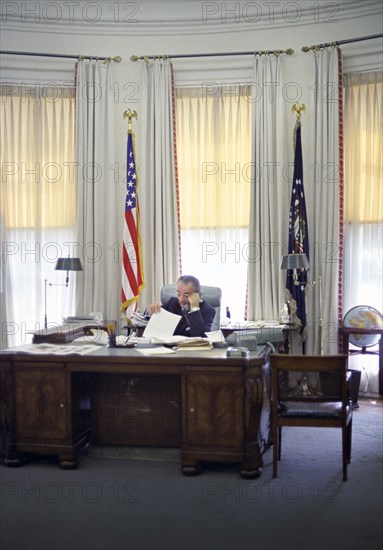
165, 27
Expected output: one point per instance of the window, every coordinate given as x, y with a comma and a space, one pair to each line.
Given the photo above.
363, 191
363, 216
214, 166
38, 204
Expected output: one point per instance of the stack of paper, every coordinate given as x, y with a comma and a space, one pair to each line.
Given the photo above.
194, 344
160, 331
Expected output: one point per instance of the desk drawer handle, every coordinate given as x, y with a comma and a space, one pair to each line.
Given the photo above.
191, 410
61, 405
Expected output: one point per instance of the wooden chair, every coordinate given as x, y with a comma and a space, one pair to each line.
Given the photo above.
310, 390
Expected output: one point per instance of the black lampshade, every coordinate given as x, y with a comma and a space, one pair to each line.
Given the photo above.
294, 261
69, 264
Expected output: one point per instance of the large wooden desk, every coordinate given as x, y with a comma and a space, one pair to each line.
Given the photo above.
212, 407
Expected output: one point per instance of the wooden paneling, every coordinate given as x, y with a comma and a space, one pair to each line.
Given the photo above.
44, 411
214, 410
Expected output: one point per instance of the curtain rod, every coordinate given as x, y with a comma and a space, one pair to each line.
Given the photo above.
117, 59
340, 42
289, 51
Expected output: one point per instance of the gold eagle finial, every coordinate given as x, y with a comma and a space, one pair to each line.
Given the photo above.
298, 108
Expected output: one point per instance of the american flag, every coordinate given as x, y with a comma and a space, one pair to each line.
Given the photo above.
298, 233
132, 274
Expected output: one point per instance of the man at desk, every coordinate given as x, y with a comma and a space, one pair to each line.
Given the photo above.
197, 315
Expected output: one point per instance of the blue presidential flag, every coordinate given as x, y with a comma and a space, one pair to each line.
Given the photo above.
298, 238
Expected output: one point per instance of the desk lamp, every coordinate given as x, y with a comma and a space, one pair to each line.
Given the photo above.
294, 262
62, 264
68, 264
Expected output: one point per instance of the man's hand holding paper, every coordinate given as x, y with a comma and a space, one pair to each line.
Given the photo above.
161, 324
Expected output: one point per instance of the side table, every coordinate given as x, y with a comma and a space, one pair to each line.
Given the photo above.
345, 333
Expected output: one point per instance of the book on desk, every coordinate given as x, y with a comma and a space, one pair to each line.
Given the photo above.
61, 334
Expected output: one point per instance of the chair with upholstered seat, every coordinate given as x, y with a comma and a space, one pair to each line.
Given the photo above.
310, 390
211, 294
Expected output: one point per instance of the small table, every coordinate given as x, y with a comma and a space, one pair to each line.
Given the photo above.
345, 333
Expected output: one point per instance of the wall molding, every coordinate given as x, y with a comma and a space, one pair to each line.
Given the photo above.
164, 17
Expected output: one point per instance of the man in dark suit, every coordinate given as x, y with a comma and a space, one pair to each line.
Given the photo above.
197, 315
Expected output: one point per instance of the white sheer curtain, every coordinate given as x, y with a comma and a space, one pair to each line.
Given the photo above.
363, 269
213, 144
38, 206
324, 222
158, 181
6, 326
270, 191
363, 211
98, 241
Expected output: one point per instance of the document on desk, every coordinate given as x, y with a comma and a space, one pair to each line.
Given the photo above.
55, 349
158, 350
161, 324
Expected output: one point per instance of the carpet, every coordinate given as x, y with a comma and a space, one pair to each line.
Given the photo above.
130, 504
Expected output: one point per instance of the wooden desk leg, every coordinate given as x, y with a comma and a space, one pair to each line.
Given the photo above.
68, 462
251, 467
13, 462
190, 467
7, 455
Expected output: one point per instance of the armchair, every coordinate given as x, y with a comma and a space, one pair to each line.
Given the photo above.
211, 294
310, 391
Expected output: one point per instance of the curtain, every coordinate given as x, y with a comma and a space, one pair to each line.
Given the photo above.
38, 207
213, 144
5, 291
158, 181
363, 211
324, 225
363, 271
99, 246
269, 203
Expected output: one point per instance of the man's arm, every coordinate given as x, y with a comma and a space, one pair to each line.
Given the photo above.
200, 320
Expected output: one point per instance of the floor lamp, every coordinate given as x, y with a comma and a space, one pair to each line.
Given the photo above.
62, 264
296, 262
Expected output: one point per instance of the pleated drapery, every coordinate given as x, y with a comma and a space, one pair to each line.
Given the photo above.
99, 223
269, 203
158, 181
324, 226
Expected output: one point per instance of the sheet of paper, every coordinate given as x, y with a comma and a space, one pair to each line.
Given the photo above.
158, 350
161, 324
